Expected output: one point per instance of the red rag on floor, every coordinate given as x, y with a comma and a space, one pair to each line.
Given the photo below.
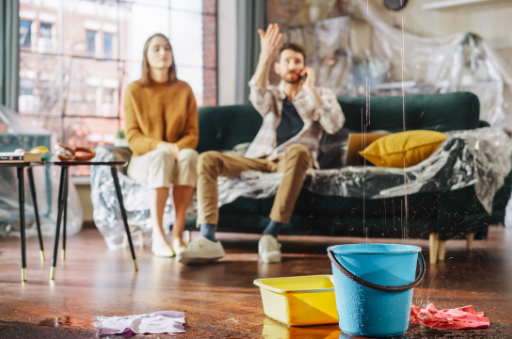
455, 319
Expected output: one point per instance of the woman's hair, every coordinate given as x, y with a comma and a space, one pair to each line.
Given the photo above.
146, 80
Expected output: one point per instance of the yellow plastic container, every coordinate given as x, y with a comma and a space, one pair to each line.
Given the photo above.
299, 301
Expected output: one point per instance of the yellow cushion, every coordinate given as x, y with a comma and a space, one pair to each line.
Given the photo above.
389, 151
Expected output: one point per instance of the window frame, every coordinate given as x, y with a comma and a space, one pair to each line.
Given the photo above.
53, 33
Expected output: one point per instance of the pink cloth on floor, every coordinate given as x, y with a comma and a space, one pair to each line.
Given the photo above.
455, 319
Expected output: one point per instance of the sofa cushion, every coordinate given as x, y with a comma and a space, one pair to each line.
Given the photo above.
332, 149
404, 148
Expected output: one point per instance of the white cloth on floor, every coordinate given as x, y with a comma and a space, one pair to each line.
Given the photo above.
159, 322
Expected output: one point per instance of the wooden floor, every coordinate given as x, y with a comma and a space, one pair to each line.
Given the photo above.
220, 300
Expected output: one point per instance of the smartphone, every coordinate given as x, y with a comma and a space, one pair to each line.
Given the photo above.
303, 77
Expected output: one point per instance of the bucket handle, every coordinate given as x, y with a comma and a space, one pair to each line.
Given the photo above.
381, 288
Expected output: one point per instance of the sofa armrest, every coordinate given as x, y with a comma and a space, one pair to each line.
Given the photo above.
483, 123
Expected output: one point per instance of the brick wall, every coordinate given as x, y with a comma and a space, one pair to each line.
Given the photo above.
282, 11
210, 53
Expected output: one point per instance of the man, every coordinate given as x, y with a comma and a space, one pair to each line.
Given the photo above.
294, 115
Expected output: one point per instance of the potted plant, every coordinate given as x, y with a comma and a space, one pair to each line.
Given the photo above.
120, 140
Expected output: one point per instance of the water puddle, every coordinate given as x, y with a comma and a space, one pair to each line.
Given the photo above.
495, 331
67, 321
274, 329
55, 328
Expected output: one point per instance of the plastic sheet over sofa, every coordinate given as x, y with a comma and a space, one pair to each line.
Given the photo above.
480, 157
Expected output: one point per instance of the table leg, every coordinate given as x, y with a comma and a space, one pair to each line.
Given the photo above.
48, 182
21, 201
64, 221
36, 210
63, 175
119, 194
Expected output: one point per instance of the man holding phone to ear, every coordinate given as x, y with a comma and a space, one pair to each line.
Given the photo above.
294, 115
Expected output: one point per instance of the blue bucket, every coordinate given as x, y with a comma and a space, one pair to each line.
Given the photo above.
373, 284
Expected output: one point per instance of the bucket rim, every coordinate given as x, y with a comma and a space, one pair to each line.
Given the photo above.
349, 249
261, 284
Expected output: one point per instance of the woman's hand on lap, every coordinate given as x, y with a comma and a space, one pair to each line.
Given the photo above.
170, 148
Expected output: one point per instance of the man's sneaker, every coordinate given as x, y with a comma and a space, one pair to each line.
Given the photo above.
201, 251
269, 249
162, 250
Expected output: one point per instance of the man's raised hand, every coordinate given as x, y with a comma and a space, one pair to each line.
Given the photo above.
269, 41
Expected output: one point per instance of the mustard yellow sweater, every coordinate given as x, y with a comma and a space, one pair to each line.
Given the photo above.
161, 112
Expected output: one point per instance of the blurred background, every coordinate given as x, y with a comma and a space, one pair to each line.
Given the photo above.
77, 57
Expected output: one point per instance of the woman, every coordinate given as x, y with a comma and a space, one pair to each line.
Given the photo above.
162, 132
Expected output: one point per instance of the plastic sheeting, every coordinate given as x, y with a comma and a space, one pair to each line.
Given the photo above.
107, 214
362, 55
17, 133
481, 157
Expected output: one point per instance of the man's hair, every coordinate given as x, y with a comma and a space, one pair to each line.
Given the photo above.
294, 47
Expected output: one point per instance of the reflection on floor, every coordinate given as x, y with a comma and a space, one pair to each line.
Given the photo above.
220, 300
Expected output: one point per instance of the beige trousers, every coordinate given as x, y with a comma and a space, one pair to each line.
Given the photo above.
159, 169
214, 164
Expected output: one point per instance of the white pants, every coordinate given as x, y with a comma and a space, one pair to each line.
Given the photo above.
159, 169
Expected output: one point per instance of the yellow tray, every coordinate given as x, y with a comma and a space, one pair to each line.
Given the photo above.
299, 301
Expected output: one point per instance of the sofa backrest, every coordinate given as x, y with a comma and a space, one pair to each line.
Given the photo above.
436, 112
223, 127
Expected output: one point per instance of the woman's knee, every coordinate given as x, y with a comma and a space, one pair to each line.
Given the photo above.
160, 158
188, 155
187, 158
159, 165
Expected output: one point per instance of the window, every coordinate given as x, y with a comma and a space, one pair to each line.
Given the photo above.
25, 34
45, 31
90, 38
86, 52
26, 87
108, 95
107, 45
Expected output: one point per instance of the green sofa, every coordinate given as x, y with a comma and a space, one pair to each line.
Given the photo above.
438, 215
